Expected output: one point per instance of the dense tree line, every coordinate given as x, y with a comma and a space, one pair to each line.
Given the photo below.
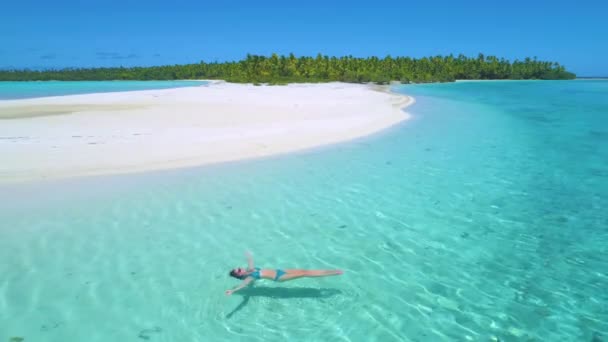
289, 69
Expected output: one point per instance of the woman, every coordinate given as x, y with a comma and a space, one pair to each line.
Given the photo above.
254, 273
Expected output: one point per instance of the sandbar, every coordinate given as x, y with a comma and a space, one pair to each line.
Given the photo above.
109, 133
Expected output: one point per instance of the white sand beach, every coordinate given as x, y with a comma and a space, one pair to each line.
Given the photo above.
94, 134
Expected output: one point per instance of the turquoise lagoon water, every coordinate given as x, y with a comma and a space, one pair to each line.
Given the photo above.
483, 218
22, 90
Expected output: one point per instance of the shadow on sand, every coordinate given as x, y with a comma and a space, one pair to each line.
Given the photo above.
281, 293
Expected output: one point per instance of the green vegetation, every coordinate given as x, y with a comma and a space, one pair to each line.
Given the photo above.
291, 69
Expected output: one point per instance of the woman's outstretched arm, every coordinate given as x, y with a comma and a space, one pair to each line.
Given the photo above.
246, 282
249, 260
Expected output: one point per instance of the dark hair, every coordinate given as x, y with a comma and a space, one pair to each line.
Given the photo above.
234, 274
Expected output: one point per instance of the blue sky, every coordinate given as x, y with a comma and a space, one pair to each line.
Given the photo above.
65, 33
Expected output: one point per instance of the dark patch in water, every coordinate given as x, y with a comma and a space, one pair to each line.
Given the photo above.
464, 235
16, 339
50, 327
599, 134
145, 334
228, 207
343, 226
598, 172
428, 149
532, 114
596, 337
391, 246
388, 163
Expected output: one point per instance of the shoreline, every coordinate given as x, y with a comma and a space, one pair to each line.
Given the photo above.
111, 91
138, 131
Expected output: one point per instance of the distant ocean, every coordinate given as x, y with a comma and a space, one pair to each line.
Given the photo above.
23, 90
484, 218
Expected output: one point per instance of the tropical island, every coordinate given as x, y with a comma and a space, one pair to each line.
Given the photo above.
327, 99
291, 69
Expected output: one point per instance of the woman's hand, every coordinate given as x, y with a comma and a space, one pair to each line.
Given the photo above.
245, 282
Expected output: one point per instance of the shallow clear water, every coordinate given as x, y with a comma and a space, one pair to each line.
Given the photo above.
481, 218
22, 90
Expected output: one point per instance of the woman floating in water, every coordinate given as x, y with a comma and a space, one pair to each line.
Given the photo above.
254, 273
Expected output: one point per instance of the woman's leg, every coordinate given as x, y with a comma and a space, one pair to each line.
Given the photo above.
294, 274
